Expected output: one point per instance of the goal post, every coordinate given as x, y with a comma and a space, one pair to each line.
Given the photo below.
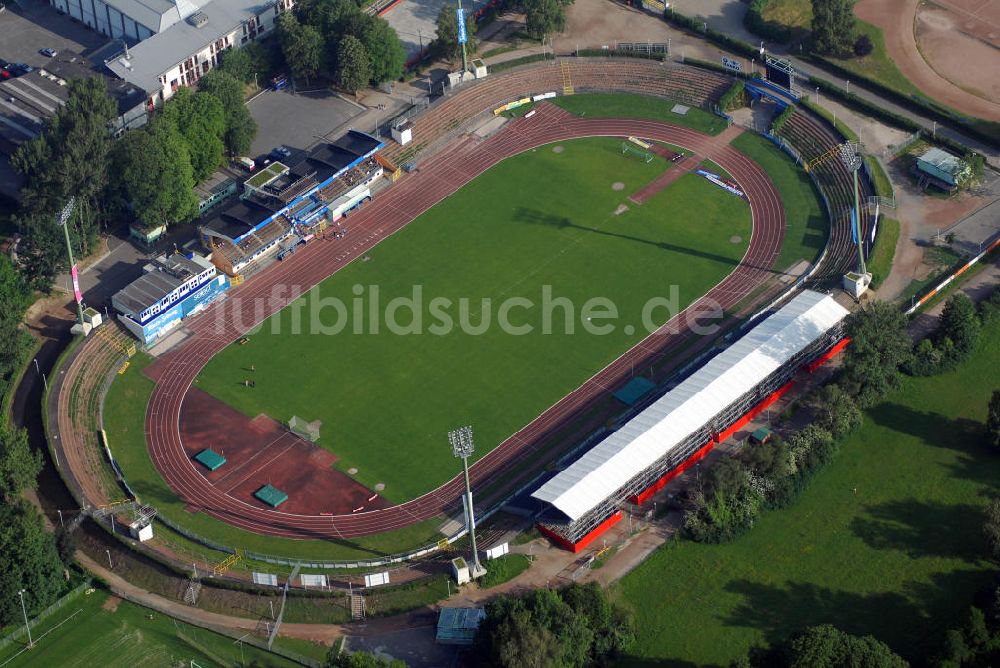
628, 148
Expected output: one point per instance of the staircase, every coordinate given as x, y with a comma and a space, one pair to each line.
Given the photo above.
191, 592
567, 78
357, 606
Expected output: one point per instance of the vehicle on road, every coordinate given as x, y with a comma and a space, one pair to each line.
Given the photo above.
51, 53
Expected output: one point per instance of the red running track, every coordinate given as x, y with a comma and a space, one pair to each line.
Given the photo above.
439, 176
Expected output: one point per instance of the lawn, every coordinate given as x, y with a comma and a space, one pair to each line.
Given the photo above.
806, 226
532, 241
880, 262
887, 540
124, 422
628, 105
91, 631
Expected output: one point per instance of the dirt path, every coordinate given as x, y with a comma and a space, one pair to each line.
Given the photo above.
895, 18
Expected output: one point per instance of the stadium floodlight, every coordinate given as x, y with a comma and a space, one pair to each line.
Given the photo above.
63, 220
25, 613
462, 445
850, 155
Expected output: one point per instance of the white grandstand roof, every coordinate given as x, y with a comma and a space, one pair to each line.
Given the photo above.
667, 422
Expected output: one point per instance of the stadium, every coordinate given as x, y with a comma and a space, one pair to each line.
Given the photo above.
251, 430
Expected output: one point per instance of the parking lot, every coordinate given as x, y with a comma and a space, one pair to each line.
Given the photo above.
30, 25
297, 120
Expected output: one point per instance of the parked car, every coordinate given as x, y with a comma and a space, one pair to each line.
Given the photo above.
5, 73
17, 69
3, 64
279, 82
51, 53
246, 163
280, 152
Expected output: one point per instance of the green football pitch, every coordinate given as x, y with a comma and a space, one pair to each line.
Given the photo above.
548, 221
97, 630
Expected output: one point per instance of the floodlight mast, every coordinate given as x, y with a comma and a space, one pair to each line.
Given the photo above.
63, 222
462, 446
850, 155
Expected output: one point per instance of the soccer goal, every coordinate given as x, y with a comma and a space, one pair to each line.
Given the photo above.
307, 430
628, 148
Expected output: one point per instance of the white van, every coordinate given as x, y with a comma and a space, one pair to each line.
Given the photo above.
246, 163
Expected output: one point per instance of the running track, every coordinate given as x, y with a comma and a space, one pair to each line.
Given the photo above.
413, 194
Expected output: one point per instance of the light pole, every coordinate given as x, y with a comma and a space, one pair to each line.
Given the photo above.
63, 222
24, 612
462, 446
848, 88
850, 155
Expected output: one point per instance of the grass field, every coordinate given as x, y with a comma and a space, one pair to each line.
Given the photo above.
900, 558
628, 105
880, 262
124, 419
90, 631
539, 219
806, 226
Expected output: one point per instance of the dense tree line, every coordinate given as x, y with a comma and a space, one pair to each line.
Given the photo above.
29, 558
338, 658
336, 40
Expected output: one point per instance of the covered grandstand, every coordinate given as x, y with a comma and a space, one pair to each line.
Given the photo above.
683, 425
286, 203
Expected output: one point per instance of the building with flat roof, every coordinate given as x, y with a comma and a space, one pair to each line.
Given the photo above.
187, 47
943, 169
171, 288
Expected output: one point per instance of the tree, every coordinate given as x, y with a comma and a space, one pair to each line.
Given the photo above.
157, 178
238, 63
835, 411
353, 68
863, 46
302, 46
342, 659
28, 561
880, 346
19, 464
960, 324
828, 647
544, 17
833, 26
69, 158
573, 626
385, 51
993, 421
240, 125
202, 123
446, 42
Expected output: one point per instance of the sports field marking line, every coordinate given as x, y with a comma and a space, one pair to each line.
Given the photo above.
42, 636
263, 465
258, 516
237, 469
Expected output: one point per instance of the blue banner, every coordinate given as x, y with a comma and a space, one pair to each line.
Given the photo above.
460, 17
854, 227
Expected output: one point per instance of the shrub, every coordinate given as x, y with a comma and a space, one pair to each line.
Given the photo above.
863, 46
781, 119
734, 98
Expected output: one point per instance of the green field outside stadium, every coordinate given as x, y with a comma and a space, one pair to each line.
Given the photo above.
543, 218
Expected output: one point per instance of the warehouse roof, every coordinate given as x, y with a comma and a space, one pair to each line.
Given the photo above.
650, 435
944, 161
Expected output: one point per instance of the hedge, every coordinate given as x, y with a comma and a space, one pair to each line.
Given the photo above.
609, 53
781, 119
524, 60
755, 22
838, 126
918, 103
734, 97
883, 114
